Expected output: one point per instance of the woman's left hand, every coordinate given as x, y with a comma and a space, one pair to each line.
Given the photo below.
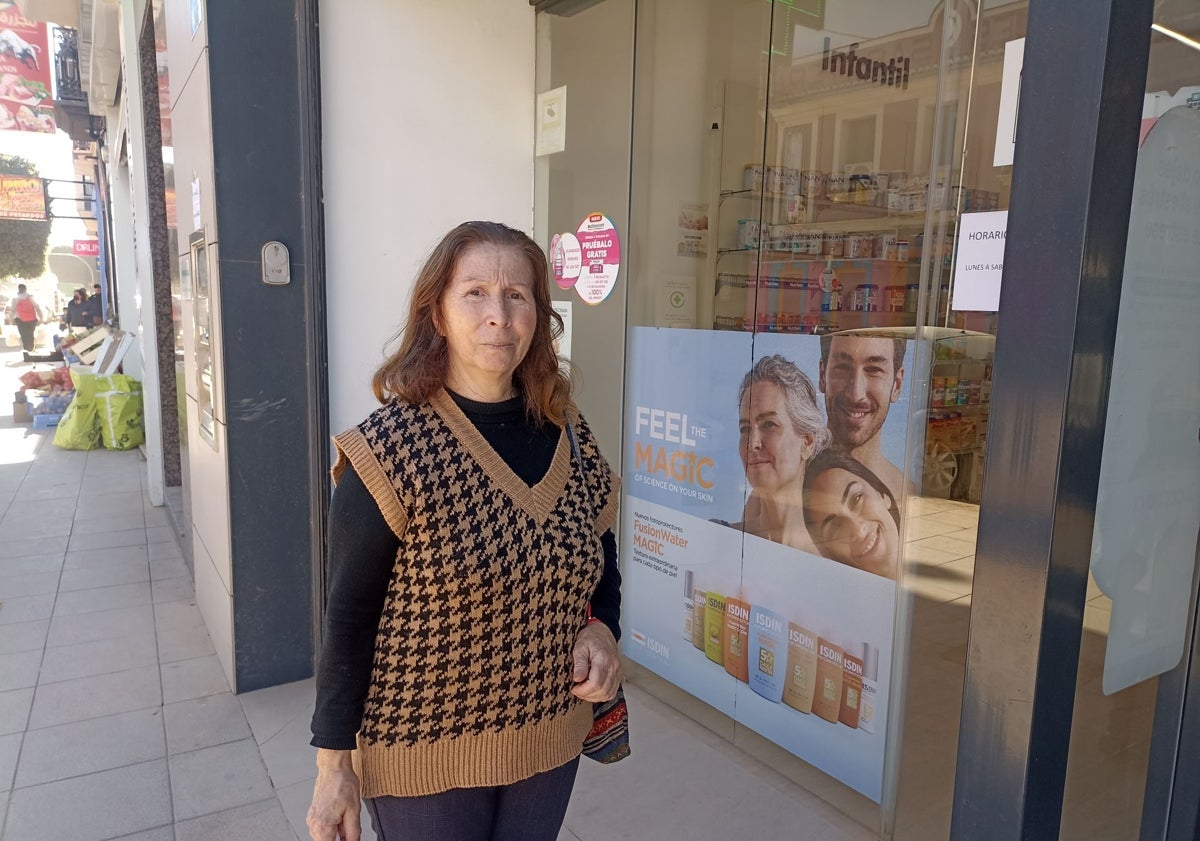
597, 668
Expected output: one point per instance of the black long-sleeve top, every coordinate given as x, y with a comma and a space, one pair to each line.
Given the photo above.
362, 550
78, 314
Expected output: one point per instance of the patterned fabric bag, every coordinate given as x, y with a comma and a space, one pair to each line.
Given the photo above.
608, 740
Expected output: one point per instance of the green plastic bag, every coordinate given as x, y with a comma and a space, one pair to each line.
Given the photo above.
79, 428
119, 400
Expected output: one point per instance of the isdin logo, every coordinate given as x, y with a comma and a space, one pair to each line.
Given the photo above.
654, 646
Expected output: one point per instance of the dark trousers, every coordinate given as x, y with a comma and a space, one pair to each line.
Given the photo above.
529, 810
26, 328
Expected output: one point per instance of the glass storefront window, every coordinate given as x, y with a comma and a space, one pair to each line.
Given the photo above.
796, 178
962, 124
793, 192
809, 314
585, 72
834, 161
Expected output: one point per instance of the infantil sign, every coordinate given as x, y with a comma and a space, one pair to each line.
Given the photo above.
891, 71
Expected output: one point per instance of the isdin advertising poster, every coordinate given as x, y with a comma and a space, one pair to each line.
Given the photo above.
760, 536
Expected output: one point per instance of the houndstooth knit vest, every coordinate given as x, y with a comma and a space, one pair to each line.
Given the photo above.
472, 672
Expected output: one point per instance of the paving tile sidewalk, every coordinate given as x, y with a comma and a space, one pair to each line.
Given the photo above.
116, 720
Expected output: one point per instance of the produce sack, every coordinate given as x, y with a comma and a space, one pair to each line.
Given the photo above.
79, 428
62, 378
37, 379
119, 399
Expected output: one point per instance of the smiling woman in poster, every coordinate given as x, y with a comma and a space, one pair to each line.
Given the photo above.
781, 428
851, 514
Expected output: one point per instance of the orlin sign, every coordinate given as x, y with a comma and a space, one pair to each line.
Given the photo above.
86, 248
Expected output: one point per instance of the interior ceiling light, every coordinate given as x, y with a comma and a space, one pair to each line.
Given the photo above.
1178, 36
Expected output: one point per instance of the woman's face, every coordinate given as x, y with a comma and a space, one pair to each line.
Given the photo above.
773, 453
852, 523
488, 316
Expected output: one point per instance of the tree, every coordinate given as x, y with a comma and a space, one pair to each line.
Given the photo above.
23, 242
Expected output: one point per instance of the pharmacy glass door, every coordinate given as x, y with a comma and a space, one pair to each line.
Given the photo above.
1131, 770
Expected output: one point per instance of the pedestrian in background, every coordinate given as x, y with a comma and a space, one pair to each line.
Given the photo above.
470, 539
26, 313
78, 313
95, 307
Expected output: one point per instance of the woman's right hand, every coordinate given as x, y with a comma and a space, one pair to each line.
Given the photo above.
335, 811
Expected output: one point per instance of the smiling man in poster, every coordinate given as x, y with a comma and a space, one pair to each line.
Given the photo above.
861, 377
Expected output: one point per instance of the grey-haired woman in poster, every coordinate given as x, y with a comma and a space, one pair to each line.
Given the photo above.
780, 429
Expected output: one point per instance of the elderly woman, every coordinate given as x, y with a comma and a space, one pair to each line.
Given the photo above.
470, 539
851, 514
780, 429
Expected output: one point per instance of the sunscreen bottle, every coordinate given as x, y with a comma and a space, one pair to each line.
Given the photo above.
689, 605
735, 641
700, 607
827, 697
768, 653
852, 684
714, 627
801, 668
870, 692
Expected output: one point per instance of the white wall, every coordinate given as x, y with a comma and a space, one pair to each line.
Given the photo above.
428, 112
132, 11
208, 468
123, 256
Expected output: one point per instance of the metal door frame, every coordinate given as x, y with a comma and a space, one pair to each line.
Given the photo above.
308, 49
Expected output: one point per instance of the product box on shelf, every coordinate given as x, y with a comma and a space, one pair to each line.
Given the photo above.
886, 246
748, 233
808, 243
813, 183
859, 245
968, 200
834, 244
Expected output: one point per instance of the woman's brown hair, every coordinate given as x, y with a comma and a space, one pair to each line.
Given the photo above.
417, 369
